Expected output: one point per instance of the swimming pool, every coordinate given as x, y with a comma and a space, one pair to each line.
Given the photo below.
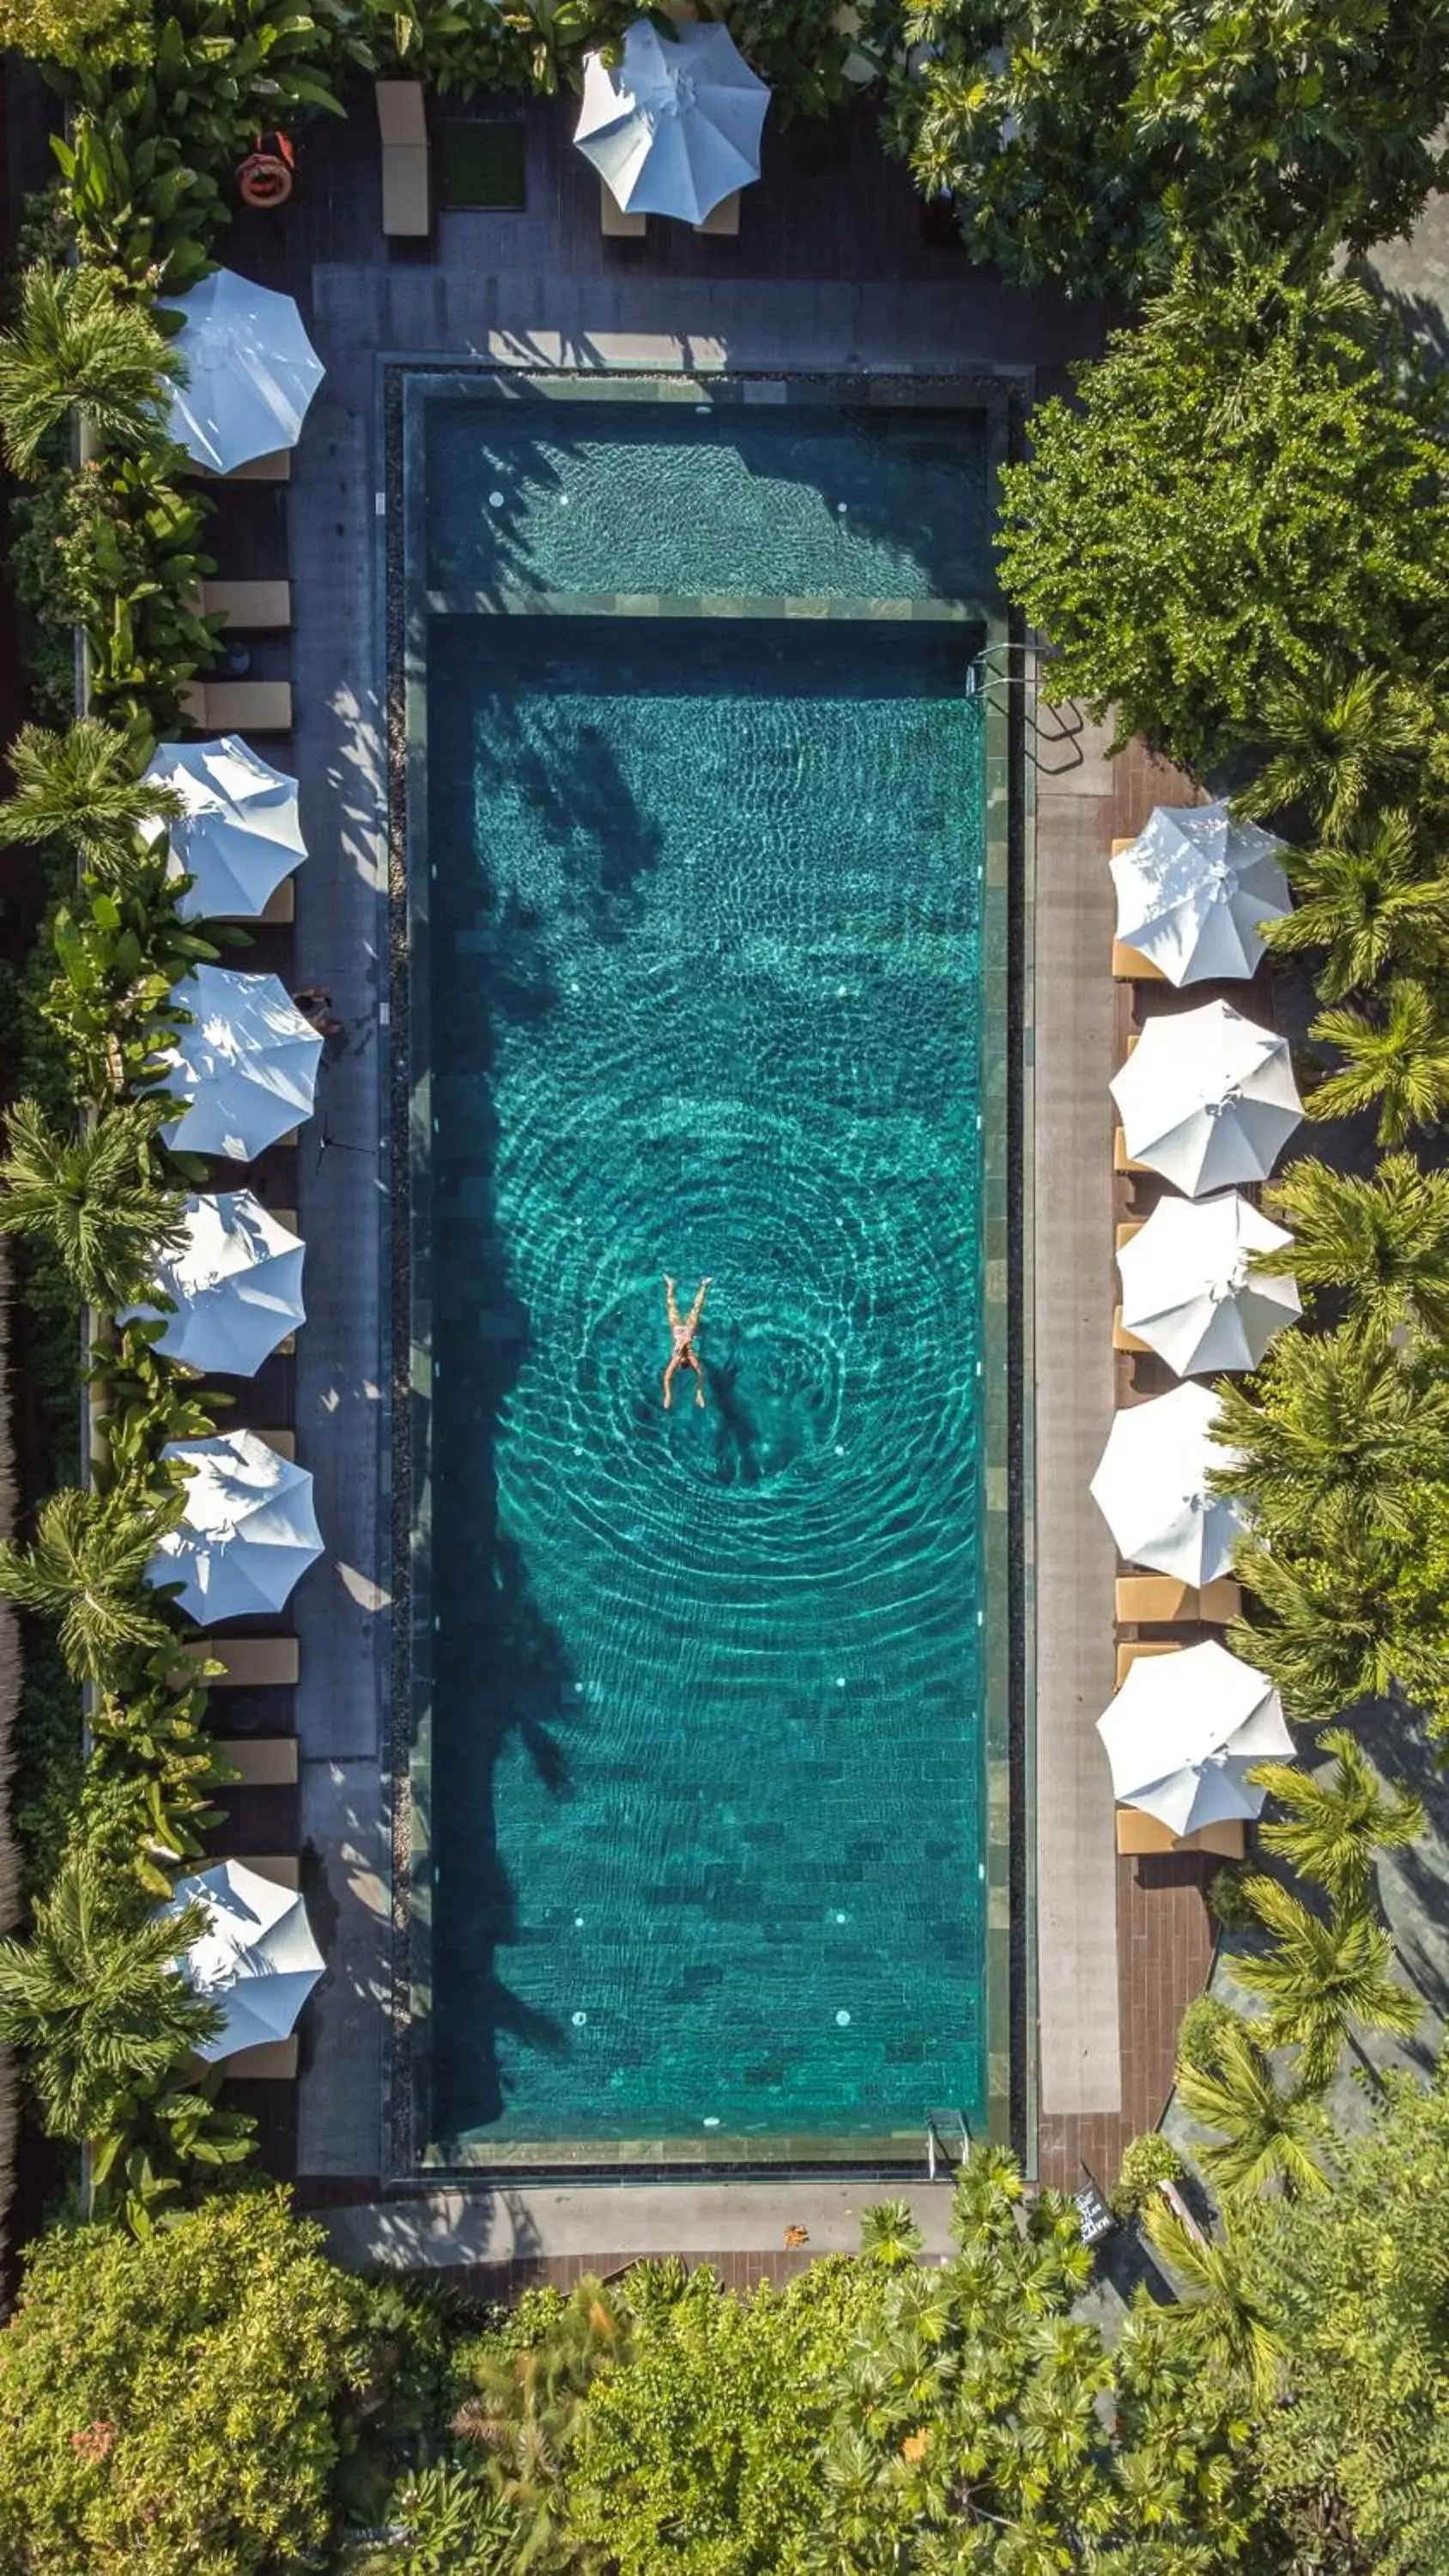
697, 852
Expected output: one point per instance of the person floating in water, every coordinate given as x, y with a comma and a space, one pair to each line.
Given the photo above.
684, 1354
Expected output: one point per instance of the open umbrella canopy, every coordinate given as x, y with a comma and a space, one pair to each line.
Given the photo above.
1189, 1289
1185, 1730
246, 1068
240, 833
251, 371
1207, 1098
235, 1286
249, 1531
257, 1958
1193, 889
1151, 1487
674, 126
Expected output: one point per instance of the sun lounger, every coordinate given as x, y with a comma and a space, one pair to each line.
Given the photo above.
1122, 1340
261, 1761
1139, 1836
274, 2062
275, 467
1159, 1600
250, 1663
614, 223
238, 706
407, 186
724, 219
1121, 1159
1129, 1226
282, 1868
1136, 1648
250, 604
284, 1442
1129, 966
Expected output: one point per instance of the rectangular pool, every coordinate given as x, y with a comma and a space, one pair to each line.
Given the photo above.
696, 848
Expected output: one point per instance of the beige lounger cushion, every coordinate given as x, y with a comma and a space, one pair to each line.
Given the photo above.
723, 218
238, 706
1121, 1160
261, 1761
1122, 1340
284, 1442
1129, 966
282, 1868
1160, 1599
251, 1663
614, 223
275, 467
1134, 1652
275, 2061
407, 192
1138, 1834
252, 604
401, 115
1129, 1226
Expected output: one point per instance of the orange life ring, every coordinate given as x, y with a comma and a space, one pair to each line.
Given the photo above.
264, 180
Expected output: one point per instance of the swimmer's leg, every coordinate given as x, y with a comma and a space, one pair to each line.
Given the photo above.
669, 1382
693, 1362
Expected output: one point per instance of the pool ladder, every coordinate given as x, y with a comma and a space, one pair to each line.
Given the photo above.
1053, 733
947, 2136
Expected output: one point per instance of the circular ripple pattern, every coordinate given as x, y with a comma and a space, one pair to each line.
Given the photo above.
706, 1755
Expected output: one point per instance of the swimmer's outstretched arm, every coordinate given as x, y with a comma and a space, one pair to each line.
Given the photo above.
670, 1306
697, 1309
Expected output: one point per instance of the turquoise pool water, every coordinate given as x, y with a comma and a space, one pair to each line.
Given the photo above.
702, 978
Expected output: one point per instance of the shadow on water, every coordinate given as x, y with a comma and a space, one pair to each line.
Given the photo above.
503, 1679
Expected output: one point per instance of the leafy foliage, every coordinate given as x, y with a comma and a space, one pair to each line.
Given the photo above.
1338, 1819
1146, 2161
82, 788
1321, 1979
1384, 1242
94, 1998
96, 1194
1336, 1430
1090, 145
1246, 493
78, 345
173, 2402
85, 1568
1370, 903
1266, 2138
70, 32
1395, 1058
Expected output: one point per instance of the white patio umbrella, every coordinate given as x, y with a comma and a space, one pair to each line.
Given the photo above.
251, 371
1151, 1487
257, 1959
1207, 1098
246, 1068
249, 1532
1193, 889
674, 126
235, 1285
240, 833
1189, 1288
1185, 1730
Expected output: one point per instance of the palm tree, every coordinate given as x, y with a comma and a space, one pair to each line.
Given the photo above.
1220, 2322
1400, 1061
1385, 1240
1321, 1977
1334, 739
1338, 1430
529, 2412
86, 1568
95, 1998
1322, 1628
80, 346
1338, 1819
82, 787
1369, 904
93, 1194
1266, 2137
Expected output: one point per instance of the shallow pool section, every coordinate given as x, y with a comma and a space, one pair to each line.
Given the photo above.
699, 1781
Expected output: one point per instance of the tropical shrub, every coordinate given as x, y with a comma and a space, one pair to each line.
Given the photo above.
1090, 146
93, 1996
1248, 489
174, 2402
79, 346
1383, 1242
1322, 1979
1395, 1059
1366, 904
1146, 2161
1265, 2138
95, 1193
1335, 1431
71, 32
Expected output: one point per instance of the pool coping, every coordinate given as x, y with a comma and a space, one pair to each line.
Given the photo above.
1004, 1493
